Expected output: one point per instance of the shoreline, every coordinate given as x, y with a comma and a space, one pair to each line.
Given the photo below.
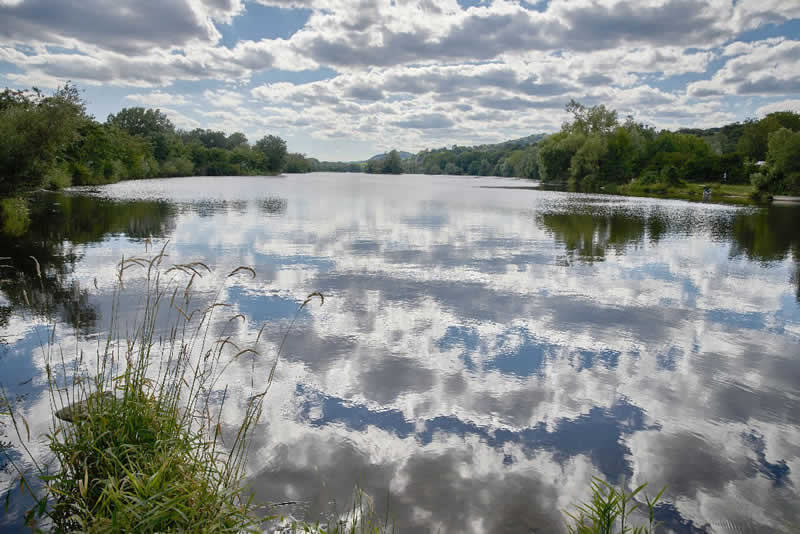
735, 194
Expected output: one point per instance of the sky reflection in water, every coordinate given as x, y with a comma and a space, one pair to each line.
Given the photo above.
482, 352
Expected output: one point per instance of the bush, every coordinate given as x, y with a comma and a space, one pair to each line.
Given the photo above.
760, 181
669, 176
14, 216
58, 177
590, 183
649, 178
82, 174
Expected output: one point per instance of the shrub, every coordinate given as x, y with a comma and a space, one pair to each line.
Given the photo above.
81, 173
58, 177
649, 178
14, 216
669, 176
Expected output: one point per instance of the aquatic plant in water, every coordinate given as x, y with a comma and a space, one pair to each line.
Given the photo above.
609, 510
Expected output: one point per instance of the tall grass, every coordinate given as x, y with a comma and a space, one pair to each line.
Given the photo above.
137, 435
609, 510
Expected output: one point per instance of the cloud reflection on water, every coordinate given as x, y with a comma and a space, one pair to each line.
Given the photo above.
483, 352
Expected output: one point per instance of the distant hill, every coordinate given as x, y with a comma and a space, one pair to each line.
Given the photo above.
522, 141
503, 145
403, 155
512, 143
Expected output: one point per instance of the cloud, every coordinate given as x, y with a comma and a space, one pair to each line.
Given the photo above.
130, 26
769, 67
783, 105
179, 119
224, 98
425, 121
363, 92
392, 69
158, 98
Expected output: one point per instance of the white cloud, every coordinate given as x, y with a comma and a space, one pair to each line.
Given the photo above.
769, 67
494, 70
158, 98
783, 105
179, 119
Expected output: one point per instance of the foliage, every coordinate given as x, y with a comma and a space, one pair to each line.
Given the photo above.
388, 164
609, 511
298, 163
556, 153
273, 150
512, 158
595, 151
58, 177
392, 163
141, 121
781, 174
35, 129
593, 120
14, 217
178, 166
336, 166
50, 141
754, 141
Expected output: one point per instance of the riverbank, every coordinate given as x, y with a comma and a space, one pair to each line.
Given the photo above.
719, 192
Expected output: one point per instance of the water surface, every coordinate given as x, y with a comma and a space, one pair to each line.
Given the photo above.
484, 350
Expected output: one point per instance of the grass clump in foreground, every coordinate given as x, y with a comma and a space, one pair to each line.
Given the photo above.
143, 450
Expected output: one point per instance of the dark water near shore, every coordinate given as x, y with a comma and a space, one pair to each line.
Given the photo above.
483, 351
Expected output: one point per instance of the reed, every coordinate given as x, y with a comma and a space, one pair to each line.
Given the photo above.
137, 434
609, 510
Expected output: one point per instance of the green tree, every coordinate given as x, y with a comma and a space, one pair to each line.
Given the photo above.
141, 121
392, 163
596, 119
35, 130
297, 163
451, 169
586, 164
755, 135
273, 148
555, 155
783, 164
619, 160
235, 140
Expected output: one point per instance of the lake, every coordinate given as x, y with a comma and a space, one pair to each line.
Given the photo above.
485, 348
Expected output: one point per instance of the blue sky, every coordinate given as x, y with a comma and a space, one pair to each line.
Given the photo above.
345, 79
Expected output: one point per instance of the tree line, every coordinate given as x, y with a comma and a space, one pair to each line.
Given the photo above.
597, 150
51, 141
